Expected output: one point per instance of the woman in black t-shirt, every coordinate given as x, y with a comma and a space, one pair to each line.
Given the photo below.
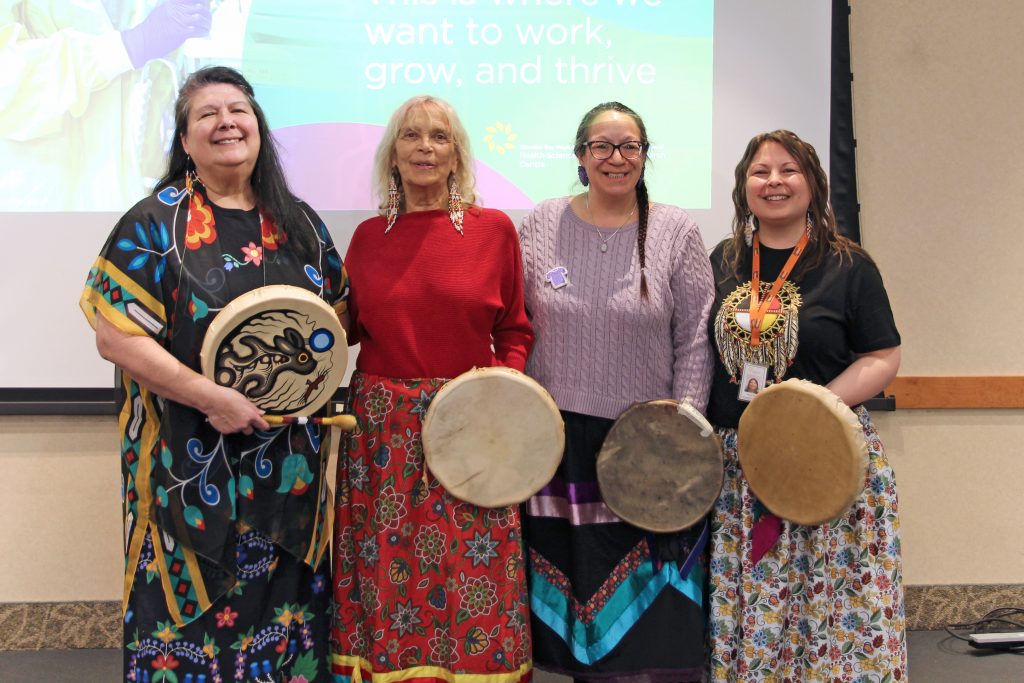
789, 601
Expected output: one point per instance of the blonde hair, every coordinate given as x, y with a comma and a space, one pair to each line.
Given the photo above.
384, 169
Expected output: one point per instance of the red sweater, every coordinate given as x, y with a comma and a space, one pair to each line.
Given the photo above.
426, 301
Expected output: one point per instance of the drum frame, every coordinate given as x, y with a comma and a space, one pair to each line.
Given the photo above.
441, 426
625, 431
813, 490
285, 298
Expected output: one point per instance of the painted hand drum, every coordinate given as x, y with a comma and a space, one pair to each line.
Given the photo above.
802, 451
493, 437
658, 469
282, 347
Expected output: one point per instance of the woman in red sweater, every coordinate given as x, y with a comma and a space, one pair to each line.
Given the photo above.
427, 587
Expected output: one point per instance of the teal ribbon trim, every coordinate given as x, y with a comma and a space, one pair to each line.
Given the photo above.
590, 643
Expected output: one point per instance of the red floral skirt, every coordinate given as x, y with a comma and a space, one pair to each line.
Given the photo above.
426, 586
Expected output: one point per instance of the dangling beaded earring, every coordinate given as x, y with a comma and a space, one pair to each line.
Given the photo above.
455, 212
749, 229
582, 173
191, 177
394, 199
810, 224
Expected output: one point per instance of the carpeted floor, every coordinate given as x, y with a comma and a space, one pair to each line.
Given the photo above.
934, 658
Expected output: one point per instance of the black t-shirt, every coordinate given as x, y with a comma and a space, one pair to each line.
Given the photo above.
842, 310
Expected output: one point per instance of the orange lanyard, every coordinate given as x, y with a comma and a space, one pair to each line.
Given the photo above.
758, 310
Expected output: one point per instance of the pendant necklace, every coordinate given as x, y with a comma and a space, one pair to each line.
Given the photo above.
605, 240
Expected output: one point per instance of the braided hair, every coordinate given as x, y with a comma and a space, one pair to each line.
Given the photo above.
643, 203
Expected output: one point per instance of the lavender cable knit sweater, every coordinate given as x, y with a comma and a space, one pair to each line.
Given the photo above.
599, 347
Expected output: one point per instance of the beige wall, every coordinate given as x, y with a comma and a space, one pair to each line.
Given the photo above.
938, 110
958, 475
60, 514
938, 107
60, 511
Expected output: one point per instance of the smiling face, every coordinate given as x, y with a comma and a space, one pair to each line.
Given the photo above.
223, 136
425, 153
777, 191
614, 176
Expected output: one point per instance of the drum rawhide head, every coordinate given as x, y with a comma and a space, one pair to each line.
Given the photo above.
655, 469
282, 347
802, 450
493, 437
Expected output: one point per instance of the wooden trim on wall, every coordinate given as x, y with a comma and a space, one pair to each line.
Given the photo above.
958, 392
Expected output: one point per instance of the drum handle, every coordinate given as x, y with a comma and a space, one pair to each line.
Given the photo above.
344, 422
687, 410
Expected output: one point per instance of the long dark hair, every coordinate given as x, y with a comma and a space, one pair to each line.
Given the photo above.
268, 182
642, 200
825, 237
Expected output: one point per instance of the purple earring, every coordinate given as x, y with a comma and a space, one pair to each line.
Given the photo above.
582, 172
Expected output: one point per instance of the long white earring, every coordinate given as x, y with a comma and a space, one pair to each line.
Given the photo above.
749, 229
455, 210
394, 200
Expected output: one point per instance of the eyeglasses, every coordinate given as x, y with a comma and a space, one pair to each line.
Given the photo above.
604, 150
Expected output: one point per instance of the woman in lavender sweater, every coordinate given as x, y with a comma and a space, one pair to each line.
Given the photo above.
619, 290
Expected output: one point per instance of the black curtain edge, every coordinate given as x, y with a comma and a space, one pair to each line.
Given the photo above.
842, 143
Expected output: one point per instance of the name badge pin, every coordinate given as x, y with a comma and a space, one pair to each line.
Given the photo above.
558, 277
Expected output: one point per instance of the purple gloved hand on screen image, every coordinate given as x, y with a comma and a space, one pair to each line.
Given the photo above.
165, 28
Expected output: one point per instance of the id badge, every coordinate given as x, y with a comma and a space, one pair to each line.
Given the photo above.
752, 381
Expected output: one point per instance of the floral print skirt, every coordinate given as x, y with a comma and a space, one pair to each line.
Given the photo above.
272, 627
822, 603
426, 587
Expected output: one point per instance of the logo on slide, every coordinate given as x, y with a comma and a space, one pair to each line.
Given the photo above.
500, 137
